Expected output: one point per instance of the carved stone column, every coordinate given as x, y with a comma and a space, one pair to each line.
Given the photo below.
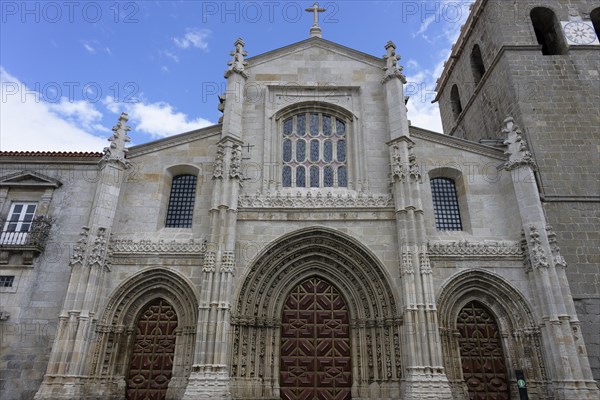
423, 374
210, 377
65, 376
569, 366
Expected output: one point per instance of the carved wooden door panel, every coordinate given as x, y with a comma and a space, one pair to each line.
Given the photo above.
483, 363
151, 365
315, 344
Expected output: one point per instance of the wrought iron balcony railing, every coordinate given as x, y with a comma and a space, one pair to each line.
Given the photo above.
25, 234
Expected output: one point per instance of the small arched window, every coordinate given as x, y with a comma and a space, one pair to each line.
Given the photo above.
445, 204
548, 31
455, 102
314, 150
477, 64
180, 210
595, 16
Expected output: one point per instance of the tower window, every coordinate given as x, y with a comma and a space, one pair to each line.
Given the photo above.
180, 211
314, 151
595, 16
455, 102
445, 204
477, 64
547, 31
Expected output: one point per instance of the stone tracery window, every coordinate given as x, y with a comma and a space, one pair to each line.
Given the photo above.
314, 151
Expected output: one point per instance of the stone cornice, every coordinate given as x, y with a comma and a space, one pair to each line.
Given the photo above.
458, 143
171, 141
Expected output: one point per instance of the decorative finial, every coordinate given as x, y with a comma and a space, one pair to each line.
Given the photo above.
518, 151
392, 69
237, 63
116, 150
315, 30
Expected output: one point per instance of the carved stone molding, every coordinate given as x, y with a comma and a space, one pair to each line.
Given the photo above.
558, 259
537, 255
318, 200
128, 246
475, 250
401, 170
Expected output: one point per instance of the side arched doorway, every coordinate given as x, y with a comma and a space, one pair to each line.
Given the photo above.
146, 337
487, 331
333, 287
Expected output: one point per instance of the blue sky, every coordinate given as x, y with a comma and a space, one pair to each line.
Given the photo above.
68, 68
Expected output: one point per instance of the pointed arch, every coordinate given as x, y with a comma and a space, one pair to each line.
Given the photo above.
356, 274
521, 337
116, 329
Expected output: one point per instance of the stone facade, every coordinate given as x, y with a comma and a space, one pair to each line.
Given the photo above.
406, 290
554, 100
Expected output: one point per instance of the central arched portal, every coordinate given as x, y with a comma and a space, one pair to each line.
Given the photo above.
316, 318
315, 344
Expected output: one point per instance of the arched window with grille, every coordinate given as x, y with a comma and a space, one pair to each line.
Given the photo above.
314, 150
445, 204
180, 210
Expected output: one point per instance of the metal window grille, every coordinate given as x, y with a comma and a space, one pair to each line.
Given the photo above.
445, 205
181, 202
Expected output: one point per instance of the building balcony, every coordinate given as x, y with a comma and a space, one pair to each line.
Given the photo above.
25, 237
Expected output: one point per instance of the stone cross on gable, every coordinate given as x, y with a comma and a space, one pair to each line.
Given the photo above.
315, 30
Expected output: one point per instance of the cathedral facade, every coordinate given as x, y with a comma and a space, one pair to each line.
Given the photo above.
314, 244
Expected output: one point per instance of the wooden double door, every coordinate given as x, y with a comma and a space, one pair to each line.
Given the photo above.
315, 357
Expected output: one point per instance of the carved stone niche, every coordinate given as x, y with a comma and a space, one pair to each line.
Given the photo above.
21, 248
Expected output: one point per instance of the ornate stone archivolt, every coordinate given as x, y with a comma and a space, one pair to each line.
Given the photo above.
356, 274
521, 337
115, 331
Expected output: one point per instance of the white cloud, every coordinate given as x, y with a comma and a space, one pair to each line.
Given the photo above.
89, 48
194, 38
171, 56
158, 119
420, 87
31, 124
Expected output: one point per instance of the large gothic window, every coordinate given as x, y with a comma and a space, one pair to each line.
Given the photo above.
482, 358
445, 204
315, 344
314, 151
151, 365
180, 211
